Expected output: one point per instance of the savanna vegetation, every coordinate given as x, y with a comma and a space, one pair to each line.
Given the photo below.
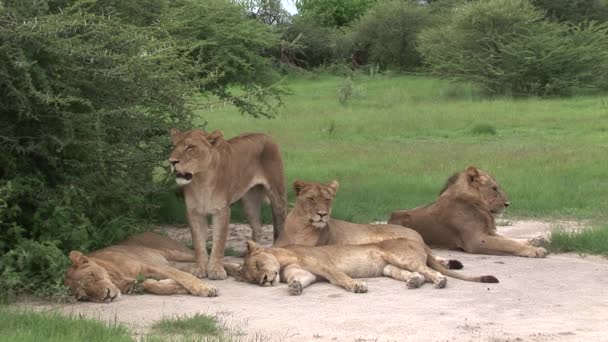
388, 96
30, 326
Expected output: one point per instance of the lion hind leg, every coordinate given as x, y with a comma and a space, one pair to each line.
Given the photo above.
413, 280
252, 205
439, 280
163, 287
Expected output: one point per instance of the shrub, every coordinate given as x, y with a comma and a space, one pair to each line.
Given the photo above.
308, 44
86, 102
387, 33
506, 47
574, 10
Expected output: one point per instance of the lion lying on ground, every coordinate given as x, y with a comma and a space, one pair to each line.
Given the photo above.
102, 276
462, 217
300, 266
309, 223
214, 173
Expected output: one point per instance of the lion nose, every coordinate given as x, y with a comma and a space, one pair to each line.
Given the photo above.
507, 204
321, 213
173, 161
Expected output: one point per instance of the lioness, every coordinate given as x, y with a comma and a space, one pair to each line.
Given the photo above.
103, 275
214, 173
309, 223
401, 259
462, 217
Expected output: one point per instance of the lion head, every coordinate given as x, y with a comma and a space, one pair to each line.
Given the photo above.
476, 181
259, 266
88, 281
314, 201
192, 153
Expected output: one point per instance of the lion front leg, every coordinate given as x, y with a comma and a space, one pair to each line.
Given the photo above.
495, 245
198, 228
163, 287
191, 283
339, 278
297, 278
220, 221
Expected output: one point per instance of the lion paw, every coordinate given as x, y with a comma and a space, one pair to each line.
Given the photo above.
359, 287
534, 252
198, 271
216, 272
414, 281
204, 290
440, 283
295, 288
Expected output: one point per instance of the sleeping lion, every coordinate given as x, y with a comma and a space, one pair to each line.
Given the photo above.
300, 266
103, 275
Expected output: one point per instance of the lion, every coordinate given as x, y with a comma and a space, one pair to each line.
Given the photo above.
299, 266
214, 173
103, 275
463, 217
309, 223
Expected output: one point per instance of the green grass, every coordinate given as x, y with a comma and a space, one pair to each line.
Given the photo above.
399, 138
29, 326
24, 326
592, 241
195, 325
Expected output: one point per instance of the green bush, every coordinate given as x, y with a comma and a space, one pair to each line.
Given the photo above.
506, 47
574, 10
86, 102
308, 44
386, 34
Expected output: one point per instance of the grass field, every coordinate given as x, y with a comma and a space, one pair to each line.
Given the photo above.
397, 139
28, 326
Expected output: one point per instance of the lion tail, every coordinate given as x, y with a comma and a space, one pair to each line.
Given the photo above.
436, 265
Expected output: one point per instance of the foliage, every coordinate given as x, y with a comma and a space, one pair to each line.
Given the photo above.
394, 147
270, 12
333, 13
574, 10
588, 240
88, 91
386, 34
198, 324
507, 48
308, 44
29, 326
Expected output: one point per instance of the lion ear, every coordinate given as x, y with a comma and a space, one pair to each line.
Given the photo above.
175, 134
334, 185
78, 258
472, 173
298, 186
215, 137
252, 246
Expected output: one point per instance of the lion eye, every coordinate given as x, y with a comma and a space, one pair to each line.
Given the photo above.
189, 147
495, 188
311, 199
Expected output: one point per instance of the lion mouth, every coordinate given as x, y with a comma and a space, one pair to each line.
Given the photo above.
318, 224
183, 178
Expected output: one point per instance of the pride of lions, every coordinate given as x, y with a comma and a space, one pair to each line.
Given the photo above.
309, 244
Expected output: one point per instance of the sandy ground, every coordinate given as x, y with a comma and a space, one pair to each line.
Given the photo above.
560, 298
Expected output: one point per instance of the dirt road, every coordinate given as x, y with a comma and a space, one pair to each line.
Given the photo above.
560, 298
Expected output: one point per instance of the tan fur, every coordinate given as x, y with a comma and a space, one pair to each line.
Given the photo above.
247, 168
462, 217
309, 223
103, 275
401, 259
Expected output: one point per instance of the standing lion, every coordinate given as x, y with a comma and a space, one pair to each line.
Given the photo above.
214, 173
